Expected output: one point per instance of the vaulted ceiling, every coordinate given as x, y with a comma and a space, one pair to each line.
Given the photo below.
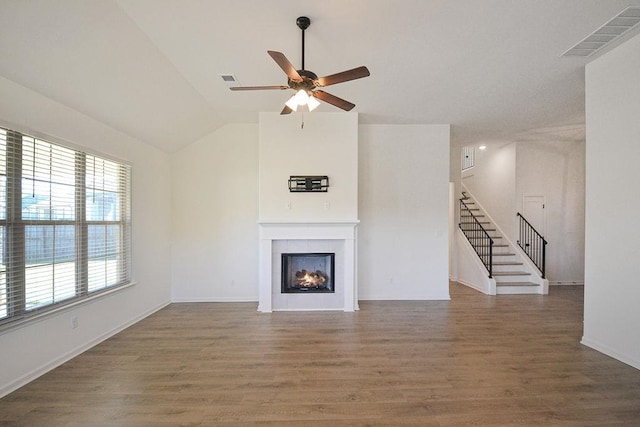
151, 68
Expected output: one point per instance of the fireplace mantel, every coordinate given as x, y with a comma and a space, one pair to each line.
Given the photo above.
344, 232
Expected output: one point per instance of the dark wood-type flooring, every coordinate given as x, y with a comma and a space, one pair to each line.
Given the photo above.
474, 360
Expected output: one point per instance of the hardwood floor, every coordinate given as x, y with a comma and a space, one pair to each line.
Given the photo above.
474, 360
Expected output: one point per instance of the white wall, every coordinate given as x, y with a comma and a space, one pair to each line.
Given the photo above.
455, 188
612, 291
215, 212
23, 355
327, 145
403, 206
555, 170
493, 183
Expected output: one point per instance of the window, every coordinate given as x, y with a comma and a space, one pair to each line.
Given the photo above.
468, 157
65, 227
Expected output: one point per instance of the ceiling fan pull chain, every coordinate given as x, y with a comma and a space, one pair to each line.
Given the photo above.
302, 120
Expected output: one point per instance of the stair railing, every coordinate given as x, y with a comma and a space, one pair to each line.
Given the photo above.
477, 236
532, 243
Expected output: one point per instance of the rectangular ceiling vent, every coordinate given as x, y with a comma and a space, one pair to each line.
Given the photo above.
230, 80
616, 27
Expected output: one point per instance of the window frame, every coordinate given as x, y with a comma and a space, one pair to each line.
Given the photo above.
468, 158
14, 239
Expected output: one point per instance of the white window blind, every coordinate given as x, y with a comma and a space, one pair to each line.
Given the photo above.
65, 225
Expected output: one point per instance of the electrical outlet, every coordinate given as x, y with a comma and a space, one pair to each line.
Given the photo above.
74, 322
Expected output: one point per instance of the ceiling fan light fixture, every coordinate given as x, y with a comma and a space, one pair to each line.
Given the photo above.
292, 103
312, 103
302, 97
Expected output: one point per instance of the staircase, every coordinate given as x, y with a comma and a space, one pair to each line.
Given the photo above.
511, 272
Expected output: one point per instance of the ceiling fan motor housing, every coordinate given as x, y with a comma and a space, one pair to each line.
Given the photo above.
308, 82
303, 22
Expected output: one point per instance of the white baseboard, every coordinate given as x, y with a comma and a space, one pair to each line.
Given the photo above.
604, 349
420, 298
27, 378
213, 299
473, 286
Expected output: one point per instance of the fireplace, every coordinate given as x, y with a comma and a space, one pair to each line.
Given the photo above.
308, 273
277, 238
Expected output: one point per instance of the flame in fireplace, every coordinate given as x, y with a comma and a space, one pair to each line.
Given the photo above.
310, 279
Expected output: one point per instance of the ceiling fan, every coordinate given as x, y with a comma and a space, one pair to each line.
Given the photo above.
306, 83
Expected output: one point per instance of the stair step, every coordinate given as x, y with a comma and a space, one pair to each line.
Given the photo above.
517, 288
495, 245
507, 262
504, 254
484, 237
516, 284
511, 273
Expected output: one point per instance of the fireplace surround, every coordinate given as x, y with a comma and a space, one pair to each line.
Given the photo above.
277, 238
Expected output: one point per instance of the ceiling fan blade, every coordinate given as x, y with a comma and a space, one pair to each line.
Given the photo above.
333, 100
345, 76
286, 66
286, 110
259, 87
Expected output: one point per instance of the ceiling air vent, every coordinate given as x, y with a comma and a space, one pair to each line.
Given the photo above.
620, 24
230, 80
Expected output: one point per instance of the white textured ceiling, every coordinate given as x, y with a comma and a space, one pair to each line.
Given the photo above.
151, 68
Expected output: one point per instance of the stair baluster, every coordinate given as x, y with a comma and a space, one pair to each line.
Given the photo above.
477, 236
532, 243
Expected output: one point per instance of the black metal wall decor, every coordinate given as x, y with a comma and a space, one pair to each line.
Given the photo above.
308, 184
